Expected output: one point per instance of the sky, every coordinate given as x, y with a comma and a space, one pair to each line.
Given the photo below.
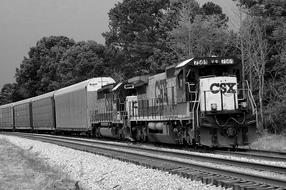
24, 22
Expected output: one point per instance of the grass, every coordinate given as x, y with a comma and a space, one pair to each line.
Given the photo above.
270, 142
20, 169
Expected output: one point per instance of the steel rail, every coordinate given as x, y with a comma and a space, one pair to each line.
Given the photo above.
256, 154
182, 162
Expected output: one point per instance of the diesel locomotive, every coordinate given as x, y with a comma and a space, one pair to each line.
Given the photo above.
200, 101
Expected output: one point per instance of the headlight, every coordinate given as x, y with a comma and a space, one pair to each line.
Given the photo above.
231, 132
243, 105
214, 107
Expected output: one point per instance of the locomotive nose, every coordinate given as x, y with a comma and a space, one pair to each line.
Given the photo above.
231, 132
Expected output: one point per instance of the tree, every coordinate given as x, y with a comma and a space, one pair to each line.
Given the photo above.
211, 8
201, 31
11, 92
256, 50
82, 61
266, 8
38, 72
6, 95
139, 29
114, 58
271, 14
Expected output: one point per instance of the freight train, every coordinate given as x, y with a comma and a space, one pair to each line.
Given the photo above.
200, 101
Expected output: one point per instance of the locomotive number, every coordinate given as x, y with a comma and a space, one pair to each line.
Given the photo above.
223, 87
201, 62
227, 61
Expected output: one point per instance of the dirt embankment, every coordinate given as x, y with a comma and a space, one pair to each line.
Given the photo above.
270, 142
22, 170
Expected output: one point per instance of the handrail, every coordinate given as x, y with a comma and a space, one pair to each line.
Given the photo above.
195, 110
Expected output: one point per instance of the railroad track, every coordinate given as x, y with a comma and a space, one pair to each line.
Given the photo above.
226, 172
256, 154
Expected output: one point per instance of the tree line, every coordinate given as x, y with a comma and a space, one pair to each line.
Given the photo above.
145, 36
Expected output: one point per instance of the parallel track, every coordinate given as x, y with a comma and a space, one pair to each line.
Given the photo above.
186, 164
256, 154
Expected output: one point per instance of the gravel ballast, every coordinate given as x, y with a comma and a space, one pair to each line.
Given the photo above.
99, 172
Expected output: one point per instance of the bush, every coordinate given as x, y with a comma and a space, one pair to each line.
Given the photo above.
275, 120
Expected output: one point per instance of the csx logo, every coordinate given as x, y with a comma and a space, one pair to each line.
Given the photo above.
223, 87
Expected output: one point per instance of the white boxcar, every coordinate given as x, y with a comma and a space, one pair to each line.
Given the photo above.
75, 104
23, 115
43, 112
6, 116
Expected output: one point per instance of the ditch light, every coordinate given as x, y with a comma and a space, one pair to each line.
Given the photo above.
214, 107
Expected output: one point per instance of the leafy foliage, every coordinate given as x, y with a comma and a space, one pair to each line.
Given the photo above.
38, 72
138, 29
200, 31
7, 93
272, 13
81, 61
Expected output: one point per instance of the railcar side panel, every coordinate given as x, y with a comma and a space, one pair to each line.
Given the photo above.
23, 116
6, 117
72, 104
43, 114
71, 110
92, 105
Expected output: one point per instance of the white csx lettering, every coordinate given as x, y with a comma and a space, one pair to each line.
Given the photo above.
223, 87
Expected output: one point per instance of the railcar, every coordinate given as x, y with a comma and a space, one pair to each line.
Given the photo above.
23, 119
6, 117
198, 101
75, 104
43, 112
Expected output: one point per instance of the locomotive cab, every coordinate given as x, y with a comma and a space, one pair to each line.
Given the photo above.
222, 106
208, 78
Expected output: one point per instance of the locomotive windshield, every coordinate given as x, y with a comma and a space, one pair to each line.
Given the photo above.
213, 70
215, 66
192, 70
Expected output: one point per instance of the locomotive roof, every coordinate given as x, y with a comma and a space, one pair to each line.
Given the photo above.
105, 88
184, 63
117, 86
137, 79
